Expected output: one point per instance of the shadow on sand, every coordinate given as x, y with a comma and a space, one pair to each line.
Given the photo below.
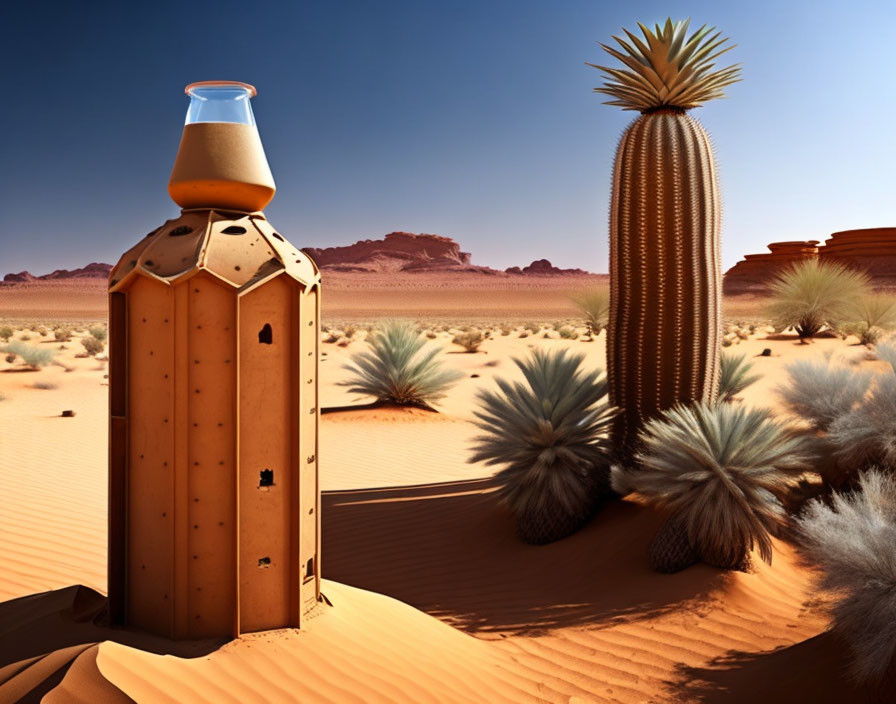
450, 550
41, 635
778, 676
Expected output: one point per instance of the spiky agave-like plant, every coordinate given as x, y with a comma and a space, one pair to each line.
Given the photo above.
396, 369
594, 305
665, 221
716, 470
812, 294
736, 375
853, 540
550, 435
871, 316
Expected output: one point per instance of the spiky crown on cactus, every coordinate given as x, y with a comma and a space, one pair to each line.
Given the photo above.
670, 71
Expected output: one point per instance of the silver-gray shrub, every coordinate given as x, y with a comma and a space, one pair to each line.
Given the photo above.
820, 392
32, 355
867, 433
853, 540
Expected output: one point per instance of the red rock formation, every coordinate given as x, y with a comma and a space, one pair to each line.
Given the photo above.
543, 267
21, 277
398, 251
871, 250
95, 270
752, 274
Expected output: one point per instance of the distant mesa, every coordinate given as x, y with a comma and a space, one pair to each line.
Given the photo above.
871, 250
753, 273
95, 270
423, 253
397, 251
542, 267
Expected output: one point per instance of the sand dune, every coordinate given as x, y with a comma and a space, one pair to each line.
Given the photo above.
433, 596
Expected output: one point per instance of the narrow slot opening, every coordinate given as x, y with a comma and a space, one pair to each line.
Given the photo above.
266, 335
234, 230
309, 568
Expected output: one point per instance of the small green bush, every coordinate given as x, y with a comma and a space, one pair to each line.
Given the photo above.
92, 345
567, 333
470, 340
62, 334
6, 333
33, 356
99, 332
595, 306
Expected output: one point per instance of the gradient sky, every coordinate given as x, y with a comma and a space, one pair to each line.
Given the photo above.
472, 119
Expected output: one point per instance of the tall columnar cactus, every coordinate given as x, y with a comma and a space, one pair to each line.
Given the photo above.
665, 295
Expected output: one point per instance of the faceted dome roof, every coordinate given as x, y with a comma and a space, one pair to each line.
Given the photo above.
240, 248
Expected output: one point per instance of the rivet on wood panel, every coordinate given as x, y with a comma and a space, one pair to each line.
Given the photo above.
310, 459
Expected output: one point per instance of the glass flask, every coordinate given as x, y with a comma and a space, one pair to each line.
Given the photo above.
220, 163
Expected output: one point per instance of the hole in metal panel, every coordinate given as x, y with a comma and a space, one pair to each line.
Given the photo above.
234, 230
278, 237
264, 562
309, 568
180, 231
266, 477
266, 335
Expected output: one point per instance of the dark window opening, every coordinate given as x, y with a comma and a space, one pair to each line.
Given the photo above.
264, 562
180, 231
309, 568
266, 477
266, 335
234, 230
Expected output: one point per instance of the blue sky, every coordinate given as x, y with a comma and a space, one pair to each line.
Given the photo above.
472, 119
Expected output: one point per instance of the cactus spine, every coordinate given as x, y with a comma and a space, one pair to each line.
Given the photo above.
665, 222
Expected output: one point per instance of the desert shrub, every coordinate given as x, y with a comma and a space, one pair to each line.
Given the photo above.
41, 331
431, 335
726, 342
716, 471
25, 338
550, 435
736, 375
532, 327
813, 294
506, 330
62, 334
91, 345
866, 433
871, 316
333, 336
10, 358
44, 385
567, 333
819, 392
885, 350
6, 333
853, 541
32, 355
349, 331
396, 369
594, 305
470, 340
99, 332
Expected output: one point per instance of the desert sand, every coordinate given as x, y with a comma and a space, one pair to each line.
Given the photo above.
430, 595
